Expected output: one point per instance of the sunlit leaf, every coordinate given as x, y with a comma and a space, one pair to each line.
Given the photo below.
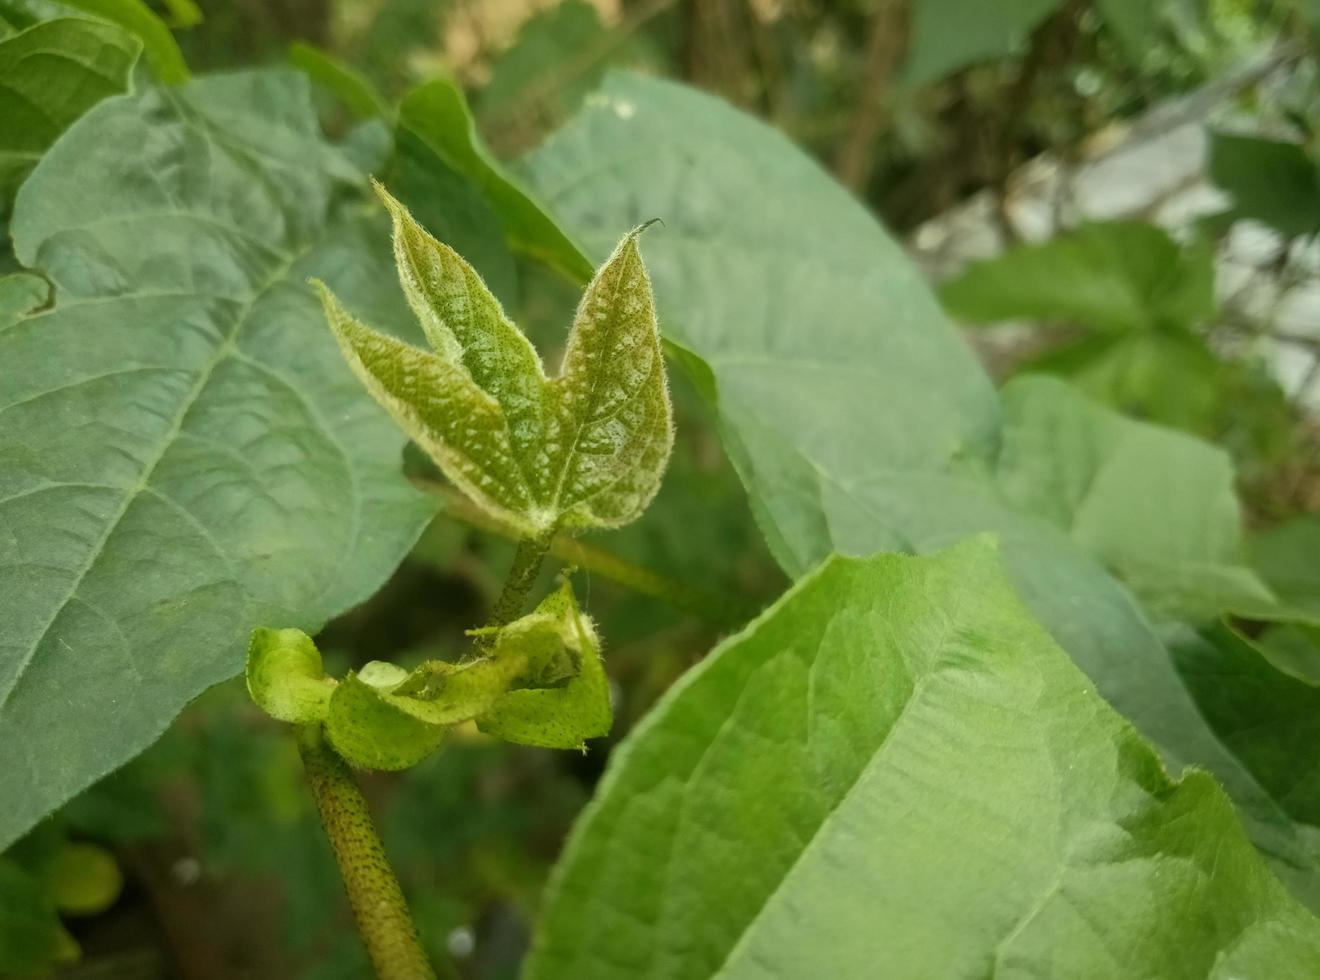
855, 415
895, 772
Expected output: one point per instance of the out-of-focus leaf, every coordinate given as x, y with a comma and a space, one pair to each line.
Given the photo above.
855, 416
50, 74
947, 35
32, 938
348, 84
1166, 376
542, 61
438, 114
185, 453
1156, 507
183, 13
83, 879
1134, 23
158, 45
896, 772
1288, 558
1271, 181
1117, 276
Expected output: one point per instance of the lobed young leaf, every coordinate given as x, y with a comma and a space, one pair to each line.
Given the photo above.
585, 449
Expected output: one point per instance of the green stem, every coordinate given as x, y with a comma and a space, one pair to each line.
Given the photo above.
522, 576
378, 906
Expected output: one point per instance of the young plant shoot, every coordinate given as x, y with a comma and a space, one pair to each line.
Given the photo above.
584, 449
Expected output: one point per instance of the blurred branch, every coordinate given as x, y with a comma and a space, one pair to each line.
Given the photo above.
713, 608
885, 47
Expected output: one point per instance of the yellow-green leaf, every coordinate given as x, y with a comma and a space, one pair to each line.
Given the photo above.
285, 677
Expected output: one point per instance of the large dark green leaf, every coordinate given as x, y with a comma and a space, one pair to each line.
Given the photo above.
50, 74
896, 773
859, 422
185, 453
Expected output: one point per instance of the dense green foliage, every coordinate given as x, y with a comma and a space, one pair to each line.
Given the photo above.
1040, 692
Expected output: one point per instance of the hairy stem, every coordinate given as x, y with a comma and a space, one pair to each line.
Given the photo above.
526, 564
378, 906
720, 610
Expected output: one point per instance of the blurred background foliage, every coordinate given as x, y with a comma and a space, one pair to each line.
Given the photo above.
202, 858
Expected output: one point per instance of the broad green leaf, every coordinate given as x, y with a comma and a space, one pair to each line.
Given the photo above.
185, 453
1288, 558
350, 86
158, 45
1272, 181
1155, 507
896, 772
854, 414
437, 114
1167, 376
947, 35
21, 293
1116, 276
584, 449
285, 677
50, 74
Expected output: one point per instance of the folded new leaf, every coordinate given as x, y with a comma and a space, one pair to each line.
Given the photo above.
584, 449
541, 682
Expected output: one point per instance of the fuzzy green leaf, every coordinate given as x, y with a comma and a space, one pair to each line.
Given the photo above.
372, 732
285, 677
895, 772
611, 430
585, 449
549, 714
441, 408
